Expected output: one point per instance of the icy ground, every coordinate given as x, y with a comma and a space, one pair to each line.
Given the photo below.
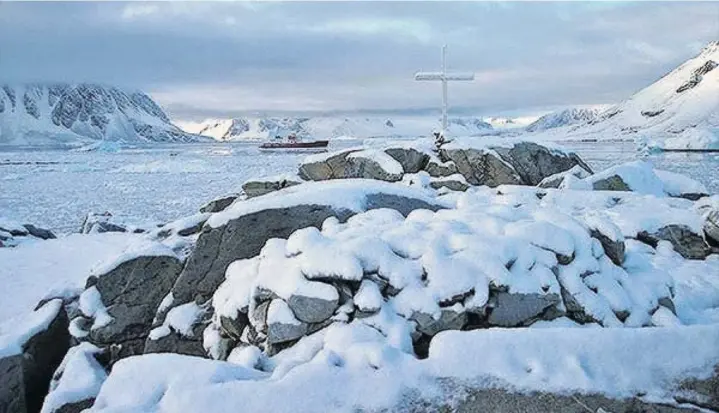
147, 186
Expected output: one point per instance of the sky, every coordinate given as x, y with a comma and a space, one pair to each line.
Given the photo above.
223, 59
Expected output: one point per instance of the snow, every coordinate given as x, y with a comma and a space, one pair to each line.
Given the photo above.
13, 336
696, 138
91, 306
342, 365
386, 162
280, 313
52, 268
340, 194
641, 177
487, 143
180, 319
581, 360
142, 247
81, 378
368, 296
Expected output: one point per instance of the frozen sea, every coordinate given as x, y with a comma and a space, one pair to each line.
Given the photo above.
150, 185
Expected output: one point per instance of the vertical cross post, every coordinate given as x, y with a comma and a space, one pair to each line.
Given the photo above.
443, 76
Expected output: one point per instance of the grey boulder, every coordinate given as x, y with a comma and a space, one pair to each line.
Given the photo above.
412, 160
687, 243
254, 188
219, 204
516, 309
132, 292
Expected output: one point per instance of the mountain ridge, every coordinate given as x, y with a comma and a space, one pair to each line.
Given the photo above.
77, 114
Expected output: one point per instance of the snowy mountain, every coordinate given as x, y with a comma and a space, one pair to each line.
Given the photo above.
331, 127
64, 114
680, 110
510, 123
566, 117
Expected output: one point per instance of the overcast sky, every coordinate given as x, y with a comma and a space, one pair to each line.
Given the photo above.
213, 59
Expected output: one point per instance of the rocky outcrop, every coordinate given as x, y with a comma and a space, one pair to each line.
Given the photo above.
13, 233
355, 163
28, 364
711, 227
611, 183
219, 204
411, 159
121, 300
243, 236
97, 223
521, 163
259, 187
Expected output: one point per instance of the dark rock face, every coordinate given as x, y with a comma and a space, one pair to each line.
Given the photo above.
687, 243
412, 160
511, 310
534, 162
219, 204
702, 393
449, 184
482, 168
437, 170
75, 407
344, 166
25, 378
39, 232
132, 293
697, 76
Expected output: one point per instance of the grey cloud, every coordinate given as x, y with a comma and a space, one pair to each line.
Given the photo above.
200, 59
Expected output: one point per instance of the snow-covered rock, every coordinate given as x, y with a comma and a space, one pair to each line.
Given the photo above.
240, 231
262, 186
641, 177
218, 204
64, 114
566, 117
30, 351
498, 161
97, 223
123, 295
13, 233
76, 381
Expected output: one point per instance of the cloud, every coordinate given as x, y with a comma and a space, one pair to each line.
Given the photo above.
204, 58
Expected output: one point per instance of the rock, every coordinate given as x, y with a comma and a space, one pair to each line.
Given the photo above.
459, 184
711, 227
176, 343
611, 183
99, 223
687, 243
335, 166
515, 309
25, 376
39, 232
243, 236
254, 188
481, 167
132, 292
451, 318
76, 407
412, 160
613, 249
351, 164
438, 170
312, 309
282, 326
701, 392
534, 162
219, 204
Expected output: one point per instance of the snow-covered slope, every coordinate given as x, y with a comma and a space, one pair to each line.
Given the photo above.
566, 117
679, 110
64, 114
331, 127
510, 123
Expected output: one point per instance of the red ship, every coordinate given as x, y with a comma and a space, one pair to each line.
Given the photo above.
293, 142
